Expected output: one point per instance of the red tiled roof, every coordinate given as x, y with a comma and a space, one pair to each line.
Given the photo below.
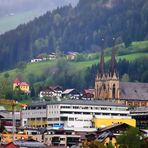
90, 91
23, 84
17, 81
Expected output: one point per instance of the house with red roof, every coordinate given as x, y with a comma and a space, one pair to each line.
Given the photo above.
89, 93
24, 86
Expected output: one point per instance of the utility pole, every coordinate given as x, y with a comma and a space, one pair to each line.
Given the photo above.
13, 122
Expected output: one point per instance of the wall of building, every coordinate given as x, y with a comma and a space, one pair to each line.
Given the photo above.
7, 138
36, 116
79, 117
100, 123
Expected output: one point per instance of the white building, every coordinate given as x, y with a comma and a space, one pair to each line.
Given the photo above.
35, 115
78, 114
52, 91
74, 115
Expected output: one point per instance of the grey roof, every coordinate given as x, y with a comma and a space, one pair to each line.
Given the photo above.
104, 135
140, 109
34, 144
113, 126
134, 91
67, 91
38, 103
88, 102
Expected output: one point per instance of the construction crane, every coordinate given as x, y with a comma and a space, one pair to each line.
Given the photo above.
13, 104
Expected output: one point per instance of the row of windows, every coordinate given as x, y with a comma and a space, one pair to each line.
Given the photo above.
89, 113
33, 119
53, 119
53, 106
75, 107
66, 119
94, 108
36, 107
72, 119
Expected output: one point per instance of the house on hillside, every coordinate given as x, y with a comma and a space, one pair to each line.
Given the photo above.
71, 93
23, 86
88, 93
52, 56
36, 60
71, 55
51, 91
39, 58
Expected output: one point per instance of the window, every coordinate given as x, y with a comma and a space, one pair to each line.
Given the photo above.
113, 91
77, 112
114, 114
64, 112
62, 139
106, 114
97, 113
86, 113
65, 106
71, 119
63, 118
123, 114
53, 119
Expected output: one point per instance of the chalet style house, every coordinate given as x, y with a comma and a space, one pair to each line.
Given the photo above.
109, 87
51, 91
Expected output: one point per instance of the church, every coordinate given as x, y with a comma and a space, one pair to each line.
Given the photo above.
109, 87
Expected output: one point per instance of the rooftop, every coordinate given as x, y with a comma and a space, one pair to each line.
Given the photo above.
134, 90
79, 102
88, 102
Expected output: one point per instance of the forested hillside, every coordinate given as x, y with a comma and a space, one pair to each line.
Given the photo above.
76, 29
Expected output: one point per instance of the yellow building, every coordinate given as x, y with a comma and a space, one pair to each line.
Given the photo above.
37, 122
110, 139
22, 85
8, 137
100, 123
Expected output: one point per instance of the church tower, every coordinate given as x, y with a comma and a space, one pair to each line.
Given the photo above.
107, 83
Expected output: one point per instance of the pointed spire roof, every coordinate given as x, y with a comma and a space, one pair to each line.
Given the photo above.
113, 62
102, 65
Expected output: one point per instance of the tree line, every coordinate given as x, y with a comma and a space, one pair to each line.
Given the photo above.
69, 76
76, 29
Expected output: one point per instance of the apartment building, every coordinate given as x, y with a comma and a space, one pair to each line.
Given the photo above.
77, 115
35, 115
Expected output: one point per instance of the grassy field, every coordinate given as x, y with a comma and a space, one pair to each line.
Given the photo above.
12, 21
41, 67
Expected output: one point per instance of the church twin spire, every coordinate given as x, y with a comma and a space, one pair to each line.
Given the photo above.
107, 83
113, 63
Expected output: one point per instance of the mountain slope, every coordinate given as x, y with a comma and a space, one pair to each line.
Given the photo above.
77, 29
16, 12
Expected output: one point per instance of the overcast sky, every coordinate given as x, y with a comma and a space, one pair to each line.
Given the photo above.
13, 6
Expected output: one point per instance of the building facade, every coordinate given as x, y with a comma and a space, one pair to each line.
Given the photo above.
23, 86
107, 83
74, 114
109, 87
35, 115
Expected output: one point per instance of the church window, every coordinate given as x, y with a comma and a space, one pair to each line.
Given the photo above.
104, 87
113, 91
